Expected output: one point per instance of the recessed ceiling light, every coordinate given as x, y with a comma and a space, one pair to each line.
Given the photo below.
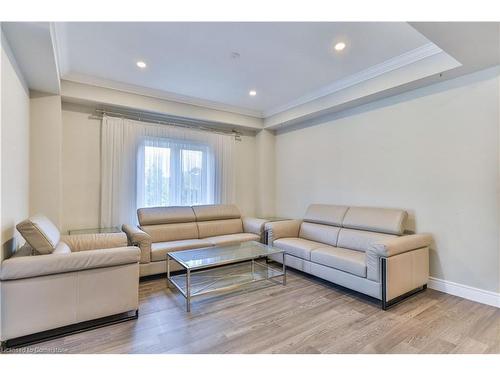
339, 46
141, 64
252, 93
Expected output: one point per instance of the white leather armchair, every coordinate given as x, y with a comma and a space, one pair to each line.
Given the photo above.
57, 281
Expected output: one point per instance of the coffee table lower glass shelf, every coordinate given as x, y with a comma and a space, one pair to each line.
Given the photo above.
217, 269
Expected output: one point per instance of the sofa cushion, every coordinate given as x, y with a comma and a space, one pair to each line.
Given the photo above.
320, 233
219, 227
359, 239
63, 248
328, 214
49, 264
232, 239
216, 212
159, 250
165, 215
383, 220
42, 235
346, 260
93, 241
171, 232
298, 247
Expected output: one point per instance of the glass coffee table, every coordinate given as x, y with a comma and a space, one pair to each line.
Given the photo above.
214, 269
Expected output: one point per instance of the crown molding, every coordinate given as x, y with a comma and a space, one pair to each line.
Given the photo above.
407, 58
55, 52
387, 66
159, 94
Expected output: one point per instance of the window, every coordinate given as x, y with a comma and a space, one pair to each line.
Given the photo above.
173, 173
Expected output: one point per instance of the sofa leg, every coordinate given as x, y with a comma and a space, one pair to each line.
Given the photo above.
383, 266
401, 298
69, 330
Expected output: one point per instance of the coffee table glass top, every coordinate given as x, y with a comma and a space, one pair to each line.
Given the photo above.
216, 256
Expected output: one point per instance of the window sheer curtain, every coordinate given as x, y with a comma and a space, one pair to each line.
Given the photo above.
173, 172
124, 145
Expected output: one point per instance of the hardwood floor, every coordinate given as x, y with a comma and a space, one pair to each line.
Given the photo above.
307, 315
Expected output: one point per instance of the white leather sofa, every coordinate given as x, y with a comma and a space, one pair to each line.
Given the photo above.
56, 281
166, 229
360, 248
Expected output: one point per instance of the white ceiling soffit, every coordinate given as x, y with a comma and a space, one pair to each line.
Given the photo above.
289, 64
158, 94
410, 57
33, 48
381, 81
81, 93
475, 44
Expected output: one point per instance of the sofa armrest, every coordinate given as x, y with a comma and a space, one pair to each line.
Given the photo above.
22, 267
253, 225
137, 237
282, 229
398, 245
93, 241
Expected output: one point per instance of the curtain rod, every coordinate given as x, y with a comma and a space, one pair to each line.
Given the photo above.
163, 120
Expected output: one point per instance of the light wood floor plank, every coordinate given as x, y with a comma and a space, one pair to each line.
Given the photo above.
308, 315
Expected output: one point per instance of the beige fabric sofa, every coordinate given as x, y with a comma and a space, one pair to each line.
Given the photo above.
166, 229
55, 281
360, 248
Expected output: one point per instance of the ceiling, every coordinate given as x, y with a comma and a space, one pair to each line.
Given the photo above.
192, 73
283, 62
32, 45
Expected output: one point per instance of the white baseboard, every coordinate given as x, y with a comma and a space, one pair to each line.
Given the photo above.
465, 291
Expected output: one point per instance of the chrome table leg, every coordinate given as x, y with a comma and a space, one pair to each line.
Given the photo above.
188, 290
284, 269
168, 271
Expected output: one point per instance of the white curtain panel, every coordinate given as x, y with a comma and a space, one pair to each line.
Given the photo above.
127, 146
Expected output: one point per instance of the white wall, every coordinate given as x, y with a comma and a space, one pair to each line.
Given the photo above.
15, 166
81, 169
265, 199
433, 151
81, 172
246, 172
46, 155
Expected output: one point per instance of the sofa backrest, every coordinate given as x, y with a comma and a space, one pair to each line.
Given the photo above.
40, 233
382, 220
319, 232
165, 215
328, 214
168, 223
218, 219
351, 227
182, 223
359, 239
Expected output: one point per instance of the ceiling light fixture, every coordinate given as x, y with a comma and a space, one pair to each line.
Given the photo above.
339, 46
252, 93
141, 64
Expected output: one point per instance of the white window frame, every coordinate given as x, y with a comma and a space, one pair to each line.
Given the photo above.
176, 147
